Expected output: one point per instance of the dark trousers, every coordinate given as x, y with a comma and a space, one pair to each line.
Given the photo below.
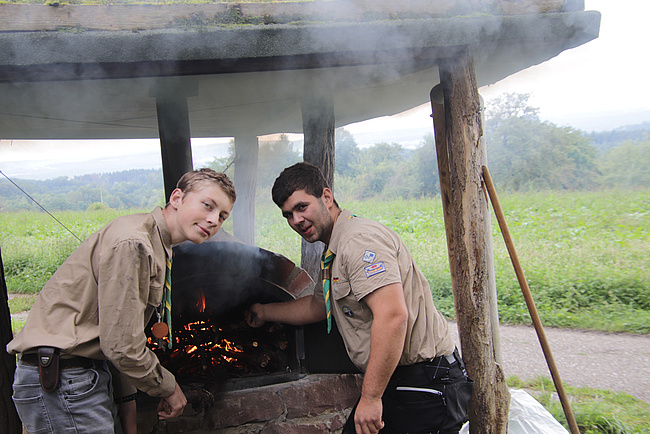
426, 397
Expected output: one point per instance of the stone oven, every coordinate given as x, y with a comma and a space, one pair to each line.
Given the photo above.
277, 378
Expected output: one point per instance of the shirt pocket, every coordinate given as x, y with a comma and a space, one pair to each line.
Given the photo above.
356, 313
156, 288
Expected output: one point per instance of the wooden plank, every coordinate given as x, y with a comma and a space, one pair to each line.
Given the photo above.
488, 412
30, 17
318, 131
9, 421
174, 128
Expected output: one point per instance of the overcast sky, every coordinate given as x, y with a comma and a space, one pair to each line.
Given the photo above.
608, 74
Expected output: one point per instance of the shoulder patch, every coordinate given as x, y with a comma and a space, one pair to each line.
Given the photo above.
369, 256
376, 268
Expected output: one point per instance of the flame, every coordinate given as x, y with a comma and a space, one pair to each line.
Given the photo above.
203, 348
201, 303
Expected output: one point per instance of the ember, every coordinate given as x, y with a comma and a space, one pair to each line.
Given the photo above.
212, 285
215, 350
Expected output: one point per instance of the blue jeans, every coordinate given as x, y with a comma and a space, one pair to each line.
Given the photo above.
83, 402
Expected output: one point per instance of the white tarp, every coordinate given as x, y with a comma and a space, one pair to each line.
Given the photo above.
527, 416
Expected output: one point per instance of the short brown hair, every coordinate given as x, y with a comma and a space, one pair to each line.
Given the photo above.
191, 180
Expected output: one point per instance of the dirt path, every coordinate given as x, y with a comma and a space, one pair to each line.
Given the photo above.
614, 361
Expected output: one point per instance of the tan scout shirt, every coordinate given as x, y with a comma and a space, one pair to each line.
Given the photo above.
368, 257
99, 301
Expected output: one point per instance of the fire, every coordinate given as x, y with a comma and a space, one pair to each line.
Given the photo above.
200, 305
228, 346
218, 350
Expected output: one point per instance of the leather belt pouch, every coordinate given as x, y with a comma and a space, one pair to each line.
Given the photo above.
48, 368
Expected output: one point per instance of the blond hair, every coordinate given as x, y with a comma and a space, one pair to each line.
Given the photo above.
191, 180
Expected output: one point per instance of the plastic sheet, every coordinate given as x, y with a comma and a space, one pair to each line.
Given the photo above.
527, 416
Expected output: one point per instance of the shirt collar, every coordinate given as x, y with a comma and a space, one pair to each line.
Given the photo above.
338, 229
163, 230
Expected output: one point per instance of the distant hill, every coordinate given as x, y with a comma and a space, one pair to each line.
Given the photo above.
605, 140
138, 188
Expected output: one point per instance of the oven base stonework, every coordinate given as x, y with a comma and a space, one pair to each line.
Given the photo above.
317, 403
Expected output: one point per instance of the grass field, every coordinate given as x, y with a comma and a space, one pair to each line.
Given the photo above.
585, 255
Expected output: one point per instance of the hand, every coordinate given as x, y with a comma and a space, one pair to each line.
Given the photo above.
173, 405
254, 315
367, 417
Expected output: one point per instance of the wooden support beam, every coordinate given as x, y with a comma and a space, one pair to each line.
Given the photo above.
174, 127
442, 155
489, 406
489, 251
318, 129
246, 157
9, 421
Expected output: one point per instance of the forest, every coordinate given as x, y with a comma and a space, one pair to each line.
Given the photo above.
524, 153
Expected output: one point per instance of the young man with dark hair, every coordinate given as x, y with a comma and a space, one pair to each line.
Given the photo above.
414, 378
91, 314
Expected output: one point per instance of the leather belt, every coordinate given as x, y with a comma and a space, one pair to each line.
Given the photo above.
419, 367
31, 359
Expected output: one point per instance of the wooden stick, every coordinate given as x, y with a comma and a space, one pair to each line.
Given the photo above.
530, 302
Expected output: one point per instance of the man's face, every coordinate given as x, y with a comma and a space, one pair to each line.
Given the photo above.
200, 213
309, 216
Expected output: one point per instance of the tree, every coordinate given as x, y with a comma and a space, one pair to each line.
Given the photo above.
379, 167
526, 153
426, 168
273, 158
347, 153
627, 165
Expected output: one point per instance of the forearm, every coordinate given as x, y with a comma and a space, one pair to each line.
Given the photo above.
387, 336
386, 344
305, 310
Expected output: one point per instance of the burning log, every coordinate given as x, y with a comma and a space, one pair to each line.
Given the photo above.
199, 399
214, 282
207, 350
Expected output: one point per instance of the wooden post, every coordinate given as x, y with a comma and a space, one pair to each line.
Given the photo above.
440, 133
318, 129
174, 128
488, 412
246, 156
9, 421
489, 251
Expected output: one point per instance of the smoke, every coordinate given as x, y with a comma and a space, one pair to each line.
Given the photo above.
374, 58
229, 276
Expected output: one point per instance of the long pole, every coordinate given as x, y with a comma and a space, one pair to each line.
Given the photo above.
541, 335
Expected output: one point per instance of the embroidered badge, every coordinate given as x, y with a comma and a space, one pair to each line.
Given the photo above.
347, 311
369, 256
373, 269
335, 279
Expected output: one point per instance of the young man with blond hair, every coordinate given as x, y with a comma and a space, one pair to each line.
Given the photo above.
91, 315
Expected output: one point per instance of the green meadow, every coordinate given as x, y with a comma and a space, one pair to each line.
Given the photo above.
585, 254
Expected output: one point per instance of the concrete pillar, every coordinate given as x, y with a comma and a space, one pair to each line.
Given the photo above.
246, 157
